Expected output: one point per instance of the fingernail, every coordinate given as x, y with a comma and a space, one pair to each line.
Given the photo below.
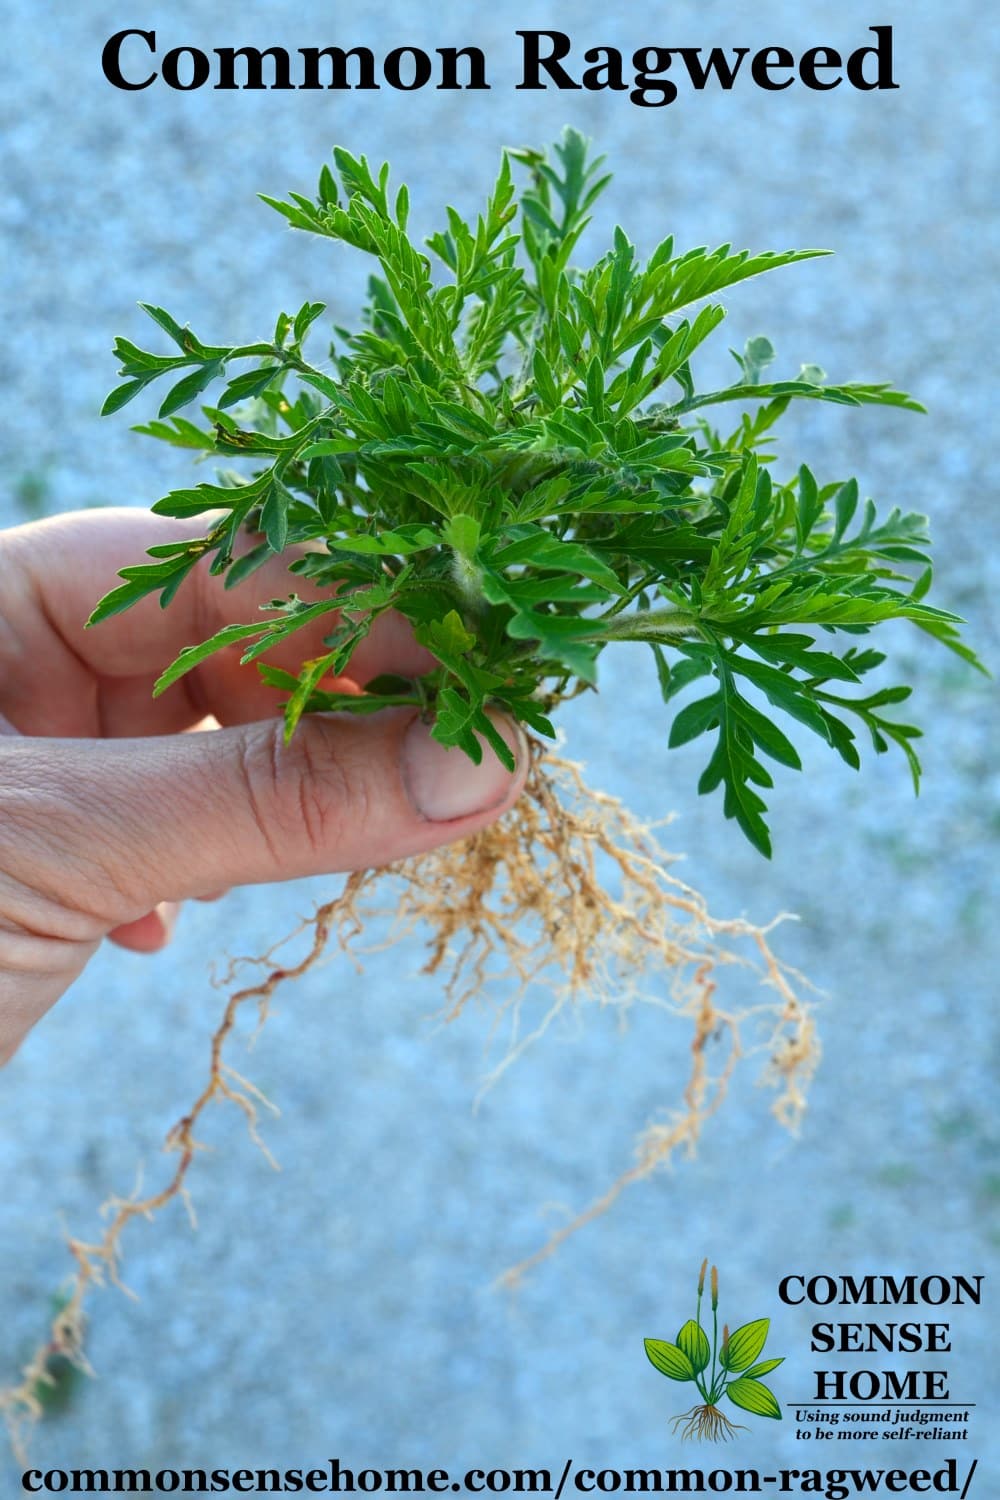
443, 783
168, 911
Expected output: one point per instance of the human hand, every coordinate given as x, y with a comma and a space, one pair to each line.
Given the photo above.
111, 812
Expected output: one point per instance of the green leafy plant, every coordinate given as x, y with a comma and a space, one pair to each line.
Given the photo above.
732, 1368
512, 452
514, 455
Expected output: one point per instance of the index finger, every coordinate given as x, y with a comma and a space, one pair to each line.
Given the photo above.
67, 563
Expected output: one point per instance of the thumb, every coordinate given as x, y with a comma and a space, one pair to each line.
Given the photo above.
135, 822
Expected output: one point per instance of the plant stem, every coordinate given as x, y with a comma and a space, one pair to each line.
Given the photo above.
715, 1341
697, 1317
649, 625
626, 599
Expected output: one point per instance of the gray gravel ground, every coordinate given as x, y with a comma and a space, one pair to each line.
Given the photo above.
344, 1306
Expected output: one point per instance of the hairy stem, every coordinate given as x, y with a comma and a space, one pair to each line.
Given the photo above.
649, 625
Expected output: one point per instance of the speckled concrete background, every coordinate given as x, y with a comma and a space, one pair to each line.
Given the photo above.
344, 1306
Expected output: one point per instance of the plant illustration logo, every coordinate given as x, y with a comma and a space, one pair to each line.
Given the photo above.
732, 1368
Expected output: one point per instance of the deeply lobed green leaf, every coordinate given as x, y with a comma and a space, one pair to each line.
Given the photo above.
511, 451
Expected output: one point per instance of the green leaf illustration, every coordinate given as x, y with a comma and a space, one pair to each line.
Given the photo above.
668, 1359
693, 1341
753, 1396
764, 1368
745, 1344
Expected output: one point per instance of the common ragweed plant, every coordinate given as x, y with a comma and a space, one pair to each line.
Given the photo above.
512, 452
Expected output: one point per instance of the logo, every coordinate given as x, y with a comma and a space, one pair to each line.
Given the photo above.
730, 1368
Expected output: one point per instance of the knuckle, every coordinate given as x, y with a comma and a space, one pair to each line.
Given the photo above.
257, 768
302, 792
332, 793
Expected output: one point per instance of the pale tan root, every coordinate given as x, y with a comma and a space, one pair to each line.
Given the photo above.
569, 890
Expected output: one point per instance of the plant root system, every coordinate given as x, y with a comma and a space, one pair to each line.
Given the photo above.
568, 891
706, 1424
